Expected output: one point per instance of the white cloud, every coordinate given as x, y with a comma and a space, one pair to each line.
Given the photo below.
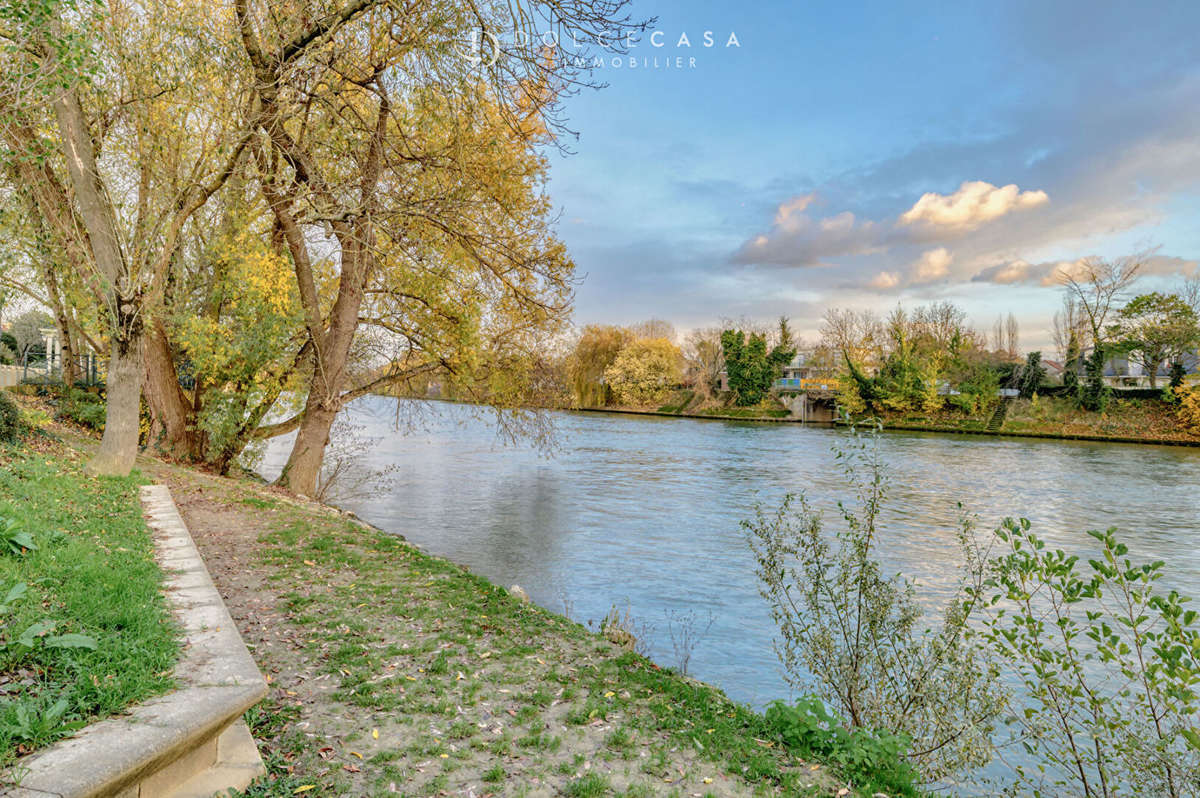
797, 239
884, 281
796, 205
934, 264
975, 203
1057, 272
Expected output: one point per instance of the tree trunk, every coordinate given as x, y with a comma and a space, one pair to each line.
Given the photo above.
174, 432
303, 468
118, 447
1154, 374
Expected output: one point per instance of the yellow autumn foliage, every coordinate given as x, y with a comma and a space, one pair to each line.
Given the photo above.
259, 309
1188, 409
645, 372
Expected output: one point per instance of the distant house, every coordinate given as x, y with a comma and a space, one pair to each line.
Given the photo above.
800, 372
1121, 372
805, 372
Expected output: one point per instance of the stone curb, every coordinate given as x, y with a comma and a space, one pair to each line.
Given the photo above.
190, 741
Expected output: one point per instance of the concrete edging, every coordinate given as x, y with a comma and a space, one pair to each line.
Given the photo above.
189, 742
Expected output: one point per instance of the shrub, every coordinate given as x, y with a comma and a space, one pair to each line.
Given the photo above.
1188, 408
84, 408
1110, 666
873, 761
851, 635
11, 425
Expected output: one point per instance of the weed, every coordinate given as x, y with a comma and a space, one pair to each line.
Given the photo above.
590, 786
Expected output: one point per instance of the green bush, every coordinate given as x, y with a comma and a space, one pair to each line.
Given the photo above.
84, 408
10, 418
873, 761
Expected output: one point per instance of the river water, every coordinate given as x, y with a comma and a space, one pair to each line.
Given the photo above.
643, 512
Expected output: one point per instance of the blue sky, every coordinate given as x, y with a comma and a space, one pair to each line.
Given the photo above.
787, 174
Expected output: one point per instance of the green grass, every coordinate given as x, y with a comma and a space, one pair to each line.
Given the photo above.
679, 402
592, 785
746, 412
366, 591
93, 576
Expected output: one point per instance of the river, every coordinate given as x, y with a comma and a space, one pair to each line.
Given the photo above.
643, 512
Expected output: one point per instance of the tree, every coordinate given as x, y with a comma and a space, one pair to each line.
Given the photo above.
750, 368
1157, 328
141, 149
1033, 374
645, 372
653, 328
856, 336
27, 336
1098, 286
1012, 337
443, 241
785, 347
597, 348
704, 359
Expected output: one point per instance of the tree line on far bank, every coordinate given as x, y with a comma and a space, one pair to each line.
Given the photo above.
926, 358
641, 365
931, 357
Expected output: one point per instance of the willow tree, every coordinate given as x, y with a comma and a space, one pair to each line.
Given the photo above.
408, 187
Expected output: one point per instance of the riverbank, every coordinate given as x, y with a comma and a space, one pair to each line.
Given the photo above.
713, 416
392, 671
1052, 418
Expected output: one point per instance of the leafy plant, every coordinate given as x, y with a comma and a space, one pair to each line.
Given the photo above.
750, 367
15, 593
84, 408
853, 636
30, 724
645, 372
11, 425
1110, 666
14, 538
41, 633
873, 761
1188, 408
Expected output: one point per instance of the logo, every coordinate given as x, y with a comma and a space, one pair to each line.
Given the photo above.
479, 48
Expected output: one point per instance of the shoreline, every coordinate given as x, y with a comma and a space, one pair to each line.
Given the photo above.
1057, 436
701, 416
904, 427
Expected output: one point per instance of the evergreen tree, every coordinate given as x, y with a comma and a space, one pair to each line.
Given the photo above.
1032, 375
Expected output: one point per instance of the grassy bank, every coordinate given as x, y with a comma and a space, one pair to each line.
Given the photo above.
689, 404
1125, 420
85, 631
395, 672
